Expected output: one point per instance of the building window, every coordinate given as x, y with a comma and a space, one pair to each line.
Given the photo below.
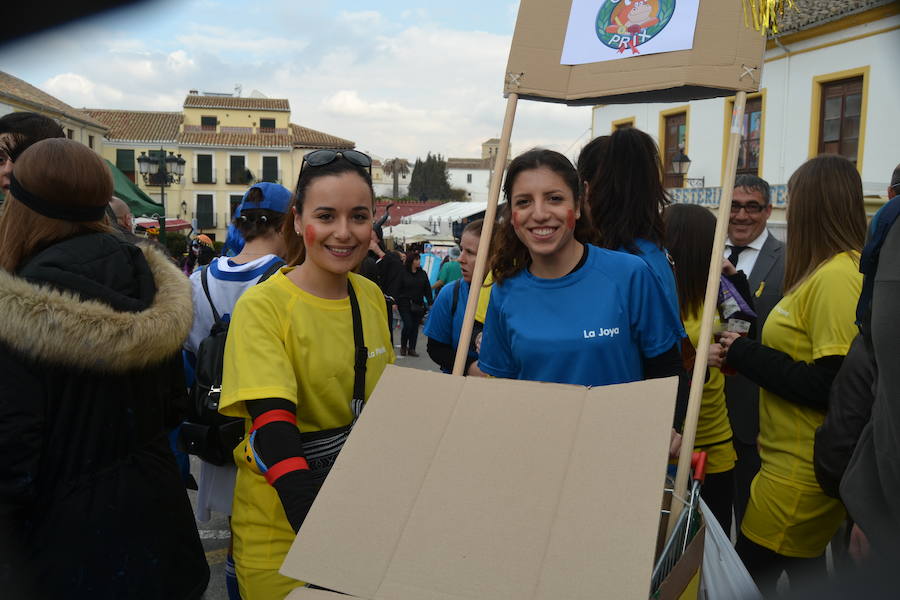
751, 135
270, 169
468, 178
839, 118
91, 142
70, 134
205, 211
674, 137
623, 123
234, 200
208, 123
204, 172
125, 163
267, 123
237, 173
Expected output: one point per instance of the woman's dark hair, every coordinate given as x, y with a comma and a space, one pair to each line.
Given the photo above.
410, 259
293, 243
257, 222
625, 188
25, 129
690, 232
61, 172
510, 255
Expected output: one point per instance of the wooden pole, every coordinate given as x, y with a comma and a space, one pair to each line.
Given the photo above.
689, 434
484, 245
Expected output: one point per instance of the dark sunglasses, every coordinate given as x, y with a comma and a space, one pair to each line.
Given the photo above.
318, 158
751, 208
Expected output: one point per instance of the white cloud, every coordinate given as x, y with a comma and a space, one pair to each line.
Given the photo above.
78, 90
397, 84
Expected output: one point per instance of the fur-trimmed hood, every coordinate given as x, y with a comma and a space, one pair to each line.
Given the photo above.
61, 328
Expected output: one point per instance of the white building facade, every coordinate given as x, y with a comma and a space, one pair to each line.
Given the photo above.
829, 85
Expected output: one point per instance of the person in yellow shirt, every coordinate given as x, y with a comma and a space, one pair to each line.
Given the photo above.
304, 351
789, 519
690, 231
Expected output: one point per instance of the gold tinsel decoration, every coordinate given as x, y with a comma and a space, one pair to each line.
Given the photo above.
765, 14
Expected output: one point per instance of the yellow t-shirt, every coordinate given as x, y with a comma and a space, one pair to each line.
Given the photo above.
788, 511
286, 343
484, 297
713, 427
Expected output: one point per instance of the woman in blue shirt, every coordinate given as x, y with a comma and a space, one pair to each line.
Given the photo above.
622, 178
563, 310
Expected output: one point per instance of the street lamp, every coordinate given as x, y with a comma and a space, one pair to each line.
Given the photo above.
162, 171
680, 165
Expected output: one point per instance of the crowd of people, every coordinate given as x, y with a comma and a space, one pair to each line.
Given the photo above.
594, 278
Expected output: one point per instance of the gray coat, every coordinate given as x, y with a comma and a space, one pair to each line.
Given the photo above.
741, 394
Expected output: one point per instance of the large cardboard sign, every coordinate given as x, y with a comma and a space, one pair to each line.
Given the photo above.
602, 30
471, 488
723, 55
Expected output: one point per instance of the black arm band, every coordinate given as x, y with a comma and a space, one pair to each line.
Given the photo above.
795, 381
278, 441
668, 364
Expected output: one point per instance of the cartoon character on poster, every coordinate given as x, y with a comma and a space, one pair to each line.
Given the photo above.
601, 30
630, 23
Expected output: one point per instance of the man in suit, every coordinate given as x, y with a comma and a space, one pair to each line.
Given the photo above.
755, 251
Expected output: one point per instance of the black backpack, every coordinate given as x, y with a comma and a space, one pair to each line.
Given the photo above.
206, 433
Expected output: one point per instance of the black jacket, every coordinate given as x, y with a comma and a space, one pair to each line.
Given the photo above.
415, 287
390, 274
91, 502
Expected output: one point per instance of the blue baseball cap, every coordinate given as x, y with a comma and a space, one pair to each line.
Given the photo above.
276, 197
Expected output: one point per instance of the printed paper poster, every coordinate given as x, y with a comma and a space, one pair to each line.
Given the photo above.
601, 30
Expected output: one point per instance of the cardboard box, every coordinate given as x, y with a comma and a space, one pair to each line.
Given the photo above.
727, 56
470, 488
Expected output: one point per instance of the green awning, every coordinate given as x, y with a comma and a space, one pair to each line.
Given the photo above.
140, 203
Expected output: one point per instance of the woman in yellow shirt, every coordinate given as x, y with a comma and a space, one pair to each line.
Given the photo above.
789, 519
690, 231
305, 349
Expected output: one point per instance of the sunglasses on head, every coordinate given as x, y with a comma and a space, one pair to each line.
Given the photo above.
318, 158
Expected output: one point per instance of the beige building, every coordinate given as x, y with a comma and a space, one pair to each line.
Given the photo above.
227, 142
19, 96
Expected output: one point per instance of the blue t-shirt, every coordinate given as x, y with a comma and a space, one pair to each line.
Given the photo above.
442, 326
658, 261
591, 327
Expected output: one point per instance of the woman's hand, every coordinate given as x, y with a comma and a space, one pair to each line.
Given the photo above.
859, 545
674, 444
716, 356
728, 268
726, 339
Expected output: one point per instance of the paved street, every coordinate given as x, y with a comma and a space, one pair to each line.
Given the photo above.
215, 533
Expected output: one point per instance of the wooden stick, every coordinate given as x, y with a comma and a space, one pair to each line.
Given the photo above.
484, 244
689, 434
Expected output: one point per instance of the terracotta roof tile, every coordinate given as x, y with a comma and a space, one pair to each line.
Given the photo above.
270, 104
810, 13
138, 125
304, 137
19, 91
255, 140
469, 163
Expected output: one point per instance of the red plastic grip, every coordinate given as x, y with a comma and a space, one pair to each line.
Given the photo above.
698, 464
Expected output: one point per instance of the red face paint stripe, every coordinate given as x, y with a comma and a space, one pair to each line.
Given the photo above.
282, 468
570, 219
515, 220
309, 234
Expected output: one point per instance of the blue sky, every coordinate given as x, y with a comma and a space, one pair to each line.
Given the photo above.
399, 78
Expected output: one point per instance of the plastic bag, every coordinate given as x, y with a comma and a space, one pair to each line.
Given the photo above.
724, 576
